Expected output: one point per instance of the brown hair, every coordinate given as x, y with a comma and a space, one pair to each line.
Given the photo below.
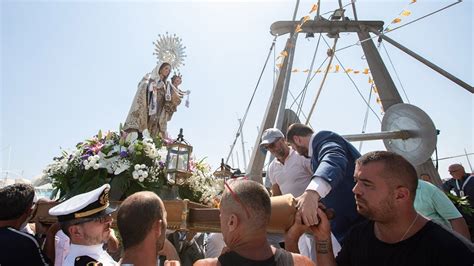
396, 168
15, 200
163, 66
136, 216
298, 130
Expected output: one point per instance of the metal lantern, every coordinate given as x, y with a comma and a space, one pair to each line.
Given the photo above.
177, 161
223, 171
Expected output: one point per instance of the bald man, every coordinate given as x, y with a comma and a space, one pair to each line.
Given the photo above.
462, 184
244, 215
141, 220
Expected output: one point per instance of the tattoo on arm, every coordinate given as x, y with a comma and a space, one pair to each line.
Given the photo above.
322, 246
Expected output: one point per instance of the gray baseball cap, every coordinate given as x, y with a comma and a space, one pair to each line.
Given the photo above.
270, 135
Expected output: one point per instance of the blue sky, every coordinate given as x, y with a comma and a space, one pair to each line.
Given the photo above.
71, 68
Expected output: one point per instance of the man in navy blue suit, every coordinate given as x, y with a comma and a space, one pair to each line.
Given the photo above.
333, 163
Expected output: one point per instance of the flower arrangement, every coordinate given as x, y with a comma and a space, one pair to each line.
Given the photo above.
129, 162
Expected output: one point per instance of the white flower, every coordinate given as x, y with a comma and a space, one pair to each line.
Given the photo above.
143, 166
137, 167
141, 179
96, 166
122, 166
87, 167
140, 172
145, 174
135, 175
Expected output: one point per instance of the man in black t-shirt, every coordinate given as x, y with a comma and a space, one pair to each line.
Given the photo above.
395, 233
17, 248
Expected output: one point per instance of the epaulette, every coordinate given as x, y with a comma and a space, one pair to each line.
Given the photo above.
86, 261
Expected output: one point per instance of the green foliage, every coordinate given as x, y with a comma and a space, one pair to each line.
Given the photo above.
462, 203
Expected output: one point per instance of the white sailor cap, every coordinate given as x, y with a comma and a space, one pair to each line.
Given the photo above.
91, 204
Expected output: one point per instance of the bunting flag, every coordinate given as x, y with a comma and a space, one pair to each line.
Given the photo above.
313, 8
304, 19
406, 13
396, 20
331, 69
371, 80
284, 53
298, 28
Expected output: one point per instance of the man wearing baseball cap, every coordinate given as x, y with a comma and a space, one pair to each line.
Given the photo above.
86, 219
290, 173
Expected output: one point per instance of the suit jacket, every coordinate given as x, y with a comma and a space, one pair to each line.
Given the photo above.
333, 159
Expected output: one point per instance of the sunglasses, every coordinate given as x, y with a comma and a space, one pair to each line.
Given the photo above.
272, 145
237, 199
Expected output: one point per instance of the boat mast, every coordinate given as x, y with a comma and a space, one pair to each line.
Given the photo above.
387, 90
276, 106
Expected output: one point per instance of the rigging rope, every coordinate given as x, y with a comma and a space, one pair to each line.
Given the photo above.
312, 77
294, 100
324, 79
364, 126
395, 70
300, 105
396, 28
355, 85
251, 99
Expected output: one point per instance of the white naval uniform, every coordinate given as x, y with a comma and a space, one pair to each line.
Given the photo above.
95, 251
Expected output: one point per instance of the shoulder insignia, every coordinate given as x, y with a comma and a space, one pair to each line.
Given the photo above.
86, 261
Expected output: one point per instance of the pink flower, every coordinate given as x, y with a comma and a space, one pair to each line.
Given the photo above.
97, 147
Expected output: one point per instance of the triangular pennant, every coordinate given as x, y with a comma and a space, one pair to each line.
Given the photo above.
313, 8
304, 19
406, 13
396, 20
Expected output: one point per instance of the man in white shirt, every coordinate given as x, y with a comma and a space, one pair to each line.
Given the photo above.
290, 173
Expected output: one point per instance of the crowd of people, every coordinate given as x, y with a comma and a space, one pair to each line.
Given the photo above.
384, 215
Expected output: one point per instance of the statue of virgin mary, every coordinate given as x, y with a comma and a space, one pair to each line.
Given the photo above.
150, 98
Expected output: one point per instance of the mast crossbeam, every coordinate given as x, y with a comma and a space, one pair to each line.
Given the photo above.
325, 26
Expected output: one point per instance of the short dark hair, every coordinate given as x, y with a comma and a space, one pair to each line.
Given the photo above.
255, 199
15, 200
297, 129
395, 166
136, 216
